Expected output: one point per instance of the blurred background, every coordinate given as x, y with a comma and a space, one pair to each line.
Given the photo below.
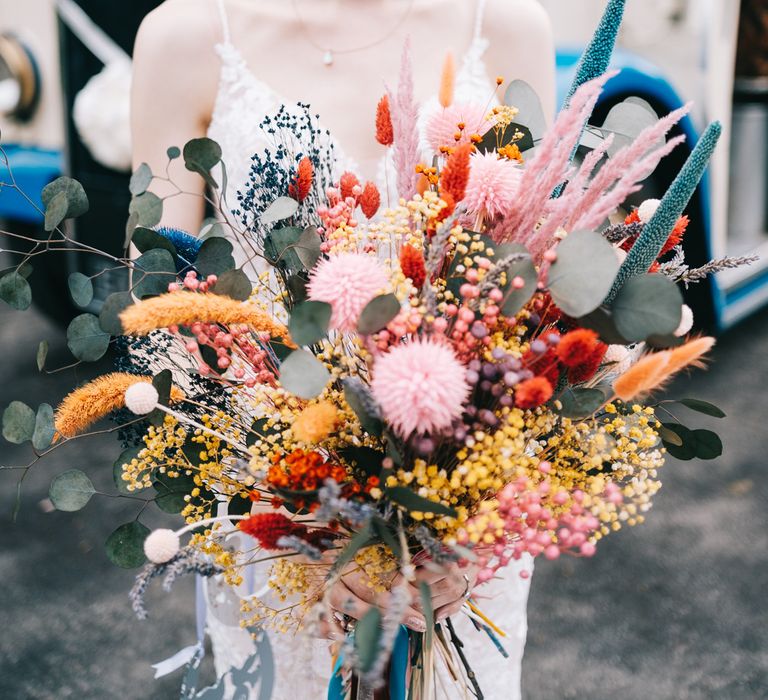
674, 609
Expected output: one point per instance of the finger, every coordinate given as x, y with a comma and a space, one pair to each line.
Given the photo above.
347, 602
449, 610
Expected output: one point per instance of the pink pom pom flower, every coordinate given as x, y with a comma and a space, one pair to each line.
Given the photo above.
443, 125
347, 281
493, 185
421, 387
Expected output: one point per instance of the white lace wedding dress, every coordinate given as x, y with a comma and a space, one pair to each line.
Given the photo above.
303, 666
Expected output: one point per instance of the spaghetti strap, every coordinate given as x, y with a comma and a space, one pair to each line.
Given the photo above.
224, 22
479, 19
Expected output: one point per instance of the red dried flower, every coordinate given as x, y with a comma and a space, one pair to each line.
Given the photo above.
347, 183
533, 393
268, 528
633, 218
412, 265
576, 347
587, 369
385, 133
301, 186
370, 200
546, 365
455, 174
676, 237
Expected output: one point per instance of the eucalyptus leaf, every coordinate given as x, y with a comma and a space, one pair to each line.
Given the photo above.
686, 449
42, 355
282, 208
44, 428
626, 121
85, 339
515, 299
580, 403
15, 291
140, 180
114, 305
647, 305
583, 274
145, 239
173, 152
147, 208
279, 248
200, 156
378, 313
56, 211
413, 503
126, 457
524, 98
669, 436
71, 491
704, 407
215, 257
80, 289
303, 375
309, 322
73, 194
159, 270
18, 423
234, 284
361, 401
163, 382
308, 247
601, 321
708, 444
125, 546
365, 459
367, 637
172, 492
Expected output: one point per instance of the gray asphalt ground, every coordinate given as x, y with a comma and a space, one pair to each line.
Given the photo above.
673, 609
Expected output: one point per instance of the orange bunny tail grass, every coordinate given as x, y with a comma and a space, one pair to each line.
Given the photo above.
455, 175
691, 354
447, 81
96, 400
644, 376
185, 308
385, 133
301, 185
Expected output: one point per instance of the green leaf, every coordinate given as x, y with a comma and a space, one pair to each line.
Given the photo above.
425, 592
361, 401
279, 247
69, 191
162, 383
15, 291
382, 530
125, 546
647, 305
126, 457
282, 208
148, 209
669, 436
365, 459
80, 288
140, 180
18, 423
71, 491
171, 492
367, 638
297, 287
215, 257
114, 305
303, 375
234, 284
200, 156
601, 321
85, 339
581, 403
359, 540
42, 355
708, 444
704, 407
44, 428
145, 239
308, 247
684, 451
414, 503
159, 271
378, 313
239, 505
309, 322
583, 273
173, 152
516, 299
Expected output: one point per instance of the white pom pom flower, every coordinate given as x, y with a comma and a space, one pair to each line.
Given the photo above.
647, 209
686, 322
161, 546
141, 398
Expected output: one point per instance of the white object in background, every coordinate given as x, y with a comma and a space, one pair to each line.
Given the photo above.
102, 108
10, 92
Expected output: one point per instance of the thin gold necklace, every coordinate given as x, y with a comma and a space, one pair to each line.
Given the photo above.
329, 53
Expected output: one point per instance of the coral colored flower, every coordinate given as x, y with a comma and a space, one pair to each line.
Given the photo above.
533, 393
691, 354
385, 134
546, 365
420, 386
315, 422
370, 200
576, 347
447, 81
455, 174
301, 186
649, 373
493, 185
587, 369
268, 528
445, 124
347, 183
412, 265
347, 281
676, 237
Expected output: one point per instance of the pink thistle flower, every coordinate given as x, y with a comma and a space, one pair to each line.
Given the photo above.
347, 281
443, 126
421, 387
493, 185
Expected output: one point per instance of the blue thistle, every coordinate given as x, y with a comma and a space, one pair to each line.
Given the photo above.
657, 231
187, 246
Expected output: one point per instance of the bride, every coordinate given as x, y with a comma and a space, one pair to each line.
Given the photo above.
217, 68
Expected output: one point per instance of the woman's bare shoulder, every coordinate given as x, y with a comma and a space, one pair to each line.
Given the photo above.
509, 17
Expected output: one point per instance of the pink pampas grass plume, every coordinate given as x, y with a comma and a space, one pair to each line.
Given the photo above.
493, 185
347, 281
405, 117
444, 125
421, 387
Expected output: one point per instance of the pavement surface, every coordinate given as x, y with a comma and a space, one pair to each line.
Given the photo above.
674, 609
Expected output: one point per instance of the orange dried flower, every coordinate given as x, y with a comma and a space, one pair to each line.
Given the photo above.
348, 183
370, 200
301, 186
385, 133
676, 237
455, 175
412, 265
588, 368
447, 81
649, 373
691, 354
545, 365
533, 393
315, 422
576, 347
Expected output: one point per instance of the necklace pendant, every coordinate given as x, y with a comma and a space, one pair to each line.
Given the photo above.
328, 58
